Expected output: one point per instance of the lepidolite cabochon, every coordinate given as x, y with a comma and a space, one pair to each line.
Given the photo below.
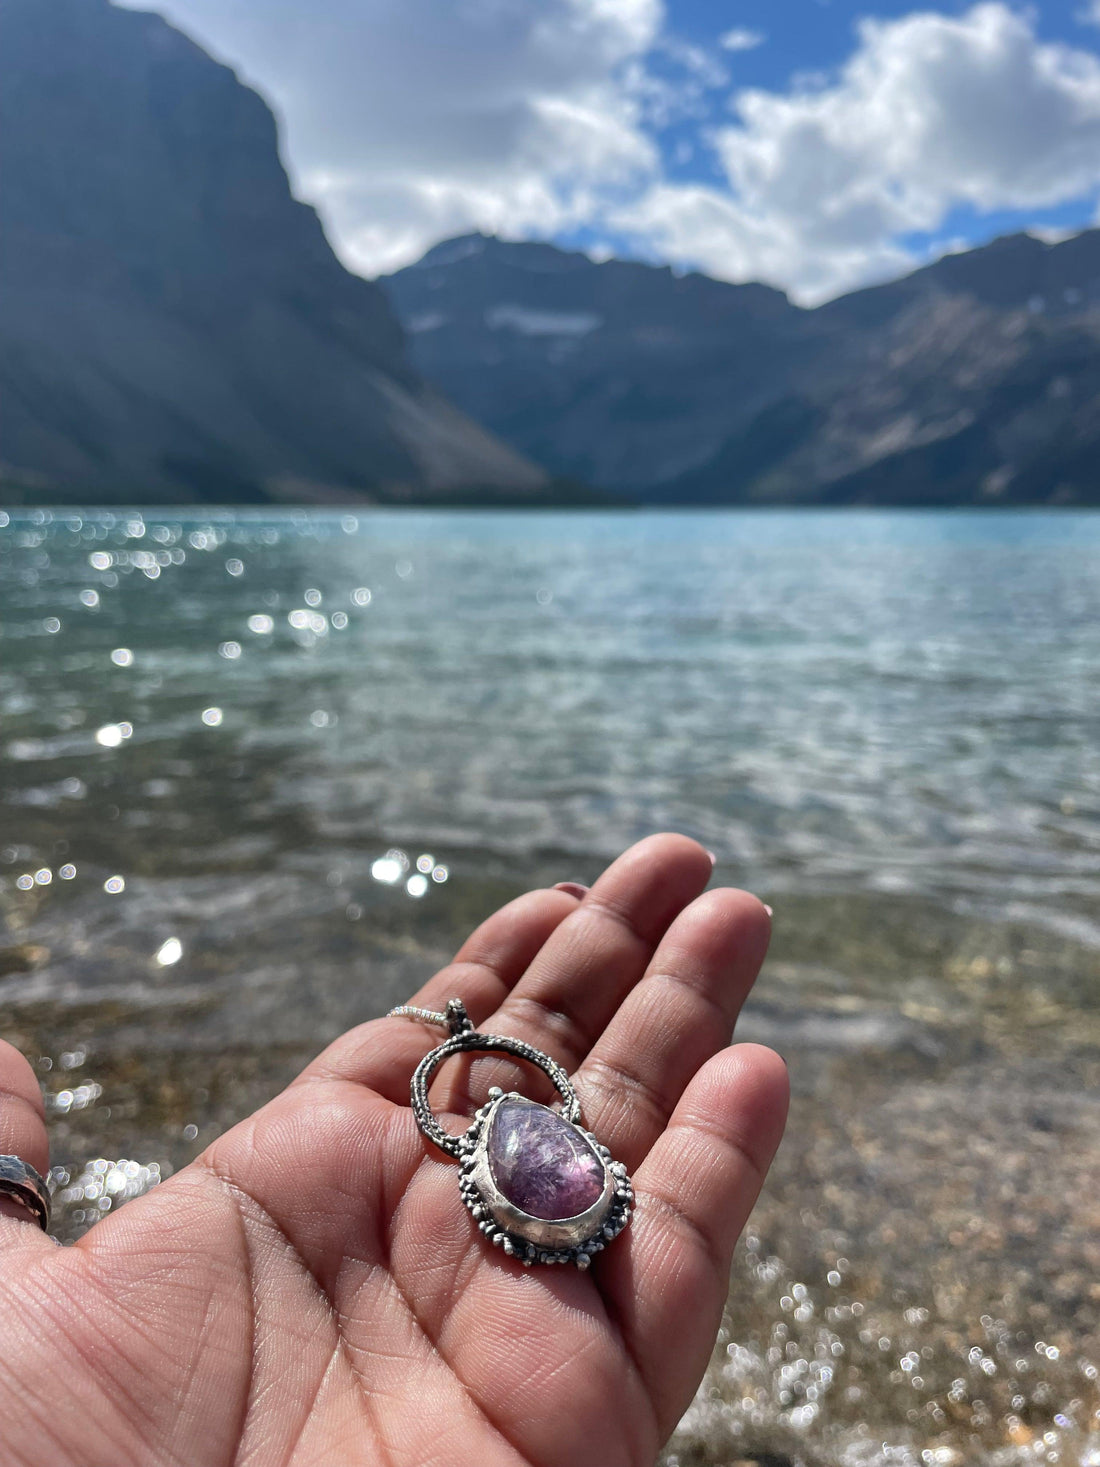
541, 1163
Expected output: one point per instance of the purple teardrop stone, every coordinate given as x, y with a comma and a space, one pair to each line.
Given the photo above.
541, 1163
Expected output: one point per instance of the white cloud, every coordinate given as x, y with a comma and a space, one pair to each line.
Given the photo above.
674, 82
930, 112
406, 120
693, 224
740, 38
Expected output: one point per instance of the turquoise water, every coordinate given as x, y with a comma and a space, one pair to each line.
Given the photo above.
881, 702
228, 721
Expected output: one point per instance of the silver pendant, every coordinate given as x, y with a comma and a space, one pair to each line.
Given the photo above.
537, 1184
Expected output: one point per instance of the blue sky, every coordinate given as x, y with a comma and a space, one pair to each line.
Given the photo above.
814, 144
786, 41
780, 46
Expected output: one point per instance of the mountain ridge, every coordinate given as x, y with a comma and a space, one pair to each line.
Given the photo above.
974, 379
175, 327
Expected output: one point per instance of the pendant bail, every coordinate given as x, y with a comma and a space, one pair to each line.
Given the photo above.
458, 1020
463, 1038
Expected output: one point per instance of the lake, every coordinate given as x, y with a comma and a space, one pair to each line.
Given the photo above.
261, 771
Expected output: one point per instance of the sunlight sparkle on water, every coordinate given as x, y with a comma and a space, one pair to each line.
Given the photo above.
783, 734
79, 1098
394, 867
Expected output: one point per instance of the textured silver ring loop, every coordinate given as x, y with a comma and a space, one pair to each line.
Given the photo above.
20, 1182
468, 1040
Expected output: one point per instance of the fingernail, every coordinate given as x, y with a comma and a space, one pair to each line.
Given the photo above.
574, 888
713, 858
767, 909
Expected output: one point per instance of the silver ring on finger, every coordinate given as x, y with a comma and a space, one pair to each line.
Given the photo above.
21, 1183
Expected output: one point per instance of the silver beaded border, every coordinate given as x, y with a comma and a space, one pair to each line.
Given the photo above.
573, 1240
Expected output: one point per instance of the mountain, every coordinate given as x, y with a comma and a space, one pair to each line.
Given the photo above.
174, 327
173, 323
975, 380
614, 373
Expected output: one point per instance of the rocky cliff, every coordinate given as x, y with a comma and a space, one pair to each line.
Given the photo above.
173, 323
973, 381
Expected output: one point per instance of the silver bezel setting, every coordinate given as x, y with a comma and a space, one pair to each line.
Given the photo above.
535, 1239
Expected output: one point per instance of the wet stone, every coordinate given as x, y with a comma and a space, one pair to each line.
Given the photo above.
542, 1164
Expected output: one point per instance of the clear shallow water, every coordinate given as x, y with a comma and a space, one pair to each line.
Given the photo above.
888, 702
887, 724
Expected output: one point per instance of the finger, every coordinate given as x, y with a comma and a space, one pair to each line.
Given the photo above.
384, 1052
498, 953
593, 959
574, 888
695, 1191
681, 1013
22, 1134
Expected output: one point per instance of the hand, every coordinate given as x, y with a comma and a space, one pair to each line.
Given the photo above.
312, 1290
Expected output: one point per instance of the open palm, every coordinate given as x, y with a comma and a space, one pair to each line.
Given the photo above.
311, 1289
